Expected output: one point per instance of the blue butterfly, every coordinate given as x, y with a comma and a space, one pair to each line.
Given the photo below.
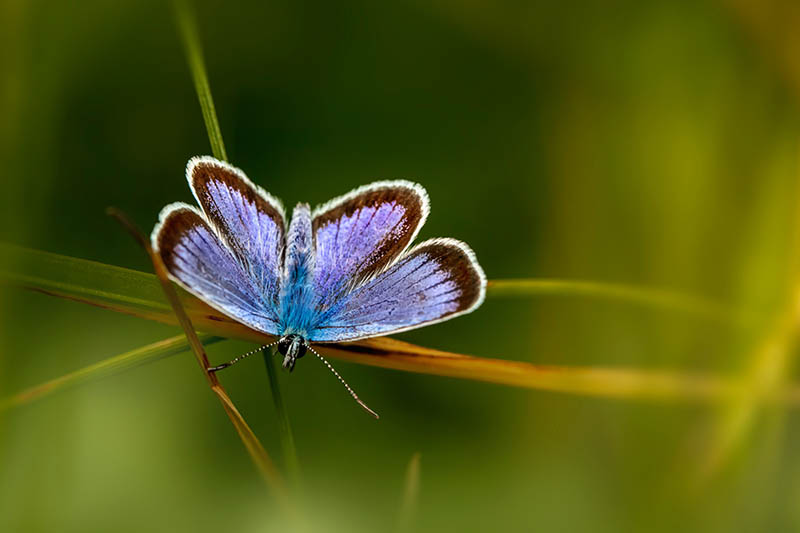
341, 272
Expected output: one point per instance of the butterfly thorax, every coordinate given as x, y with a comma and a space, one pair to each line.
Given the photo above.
297, 299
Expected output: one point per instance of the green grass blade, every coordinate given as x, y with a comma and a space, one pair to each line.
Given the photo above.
194, 56
769, 367
131, 290
408, 506
285, 427
48, 272
108, 367
644, 296
111, 287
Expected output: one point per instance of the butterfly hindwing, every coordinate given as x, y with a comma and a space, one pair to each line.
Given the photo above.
197, 260
359, 234
434, 281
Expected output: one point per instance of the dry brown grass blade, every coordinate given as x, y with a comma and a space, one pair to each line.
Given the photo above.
254, 447
138, 294
592, 381
391, 353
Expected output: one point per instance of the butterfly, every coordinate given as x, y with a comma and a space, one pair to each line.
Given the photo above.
342, 272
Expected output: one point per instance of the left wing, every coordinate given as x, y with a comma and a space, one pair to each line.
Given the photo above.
200, 262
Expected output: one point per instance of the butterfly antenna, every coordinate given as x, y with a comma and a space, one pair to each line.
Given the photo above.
243, 356
346, 386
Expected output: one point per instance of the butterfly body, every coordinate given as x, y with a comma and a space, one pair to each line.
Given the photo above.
344, 271
297, 297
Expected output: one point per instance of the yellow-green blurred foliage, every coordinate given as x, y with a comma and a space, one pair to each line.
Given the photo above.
649, 142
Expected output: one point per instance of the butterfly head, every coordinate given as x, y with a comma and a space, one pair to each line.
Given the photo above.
292, 347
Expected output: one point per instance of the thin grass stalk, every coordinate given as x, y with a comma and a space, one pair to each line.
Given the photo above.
286, 433
767, 371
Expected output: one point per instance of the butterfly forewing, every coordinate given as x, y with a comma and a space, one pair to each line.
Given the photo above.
358, 235
436, 280
249, 220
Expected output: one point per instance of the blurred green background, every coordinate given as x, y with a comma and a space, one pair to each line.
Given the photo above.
651, 143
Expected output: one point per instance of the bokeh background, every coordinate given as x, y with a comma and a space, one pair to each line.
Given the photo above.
649, 143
